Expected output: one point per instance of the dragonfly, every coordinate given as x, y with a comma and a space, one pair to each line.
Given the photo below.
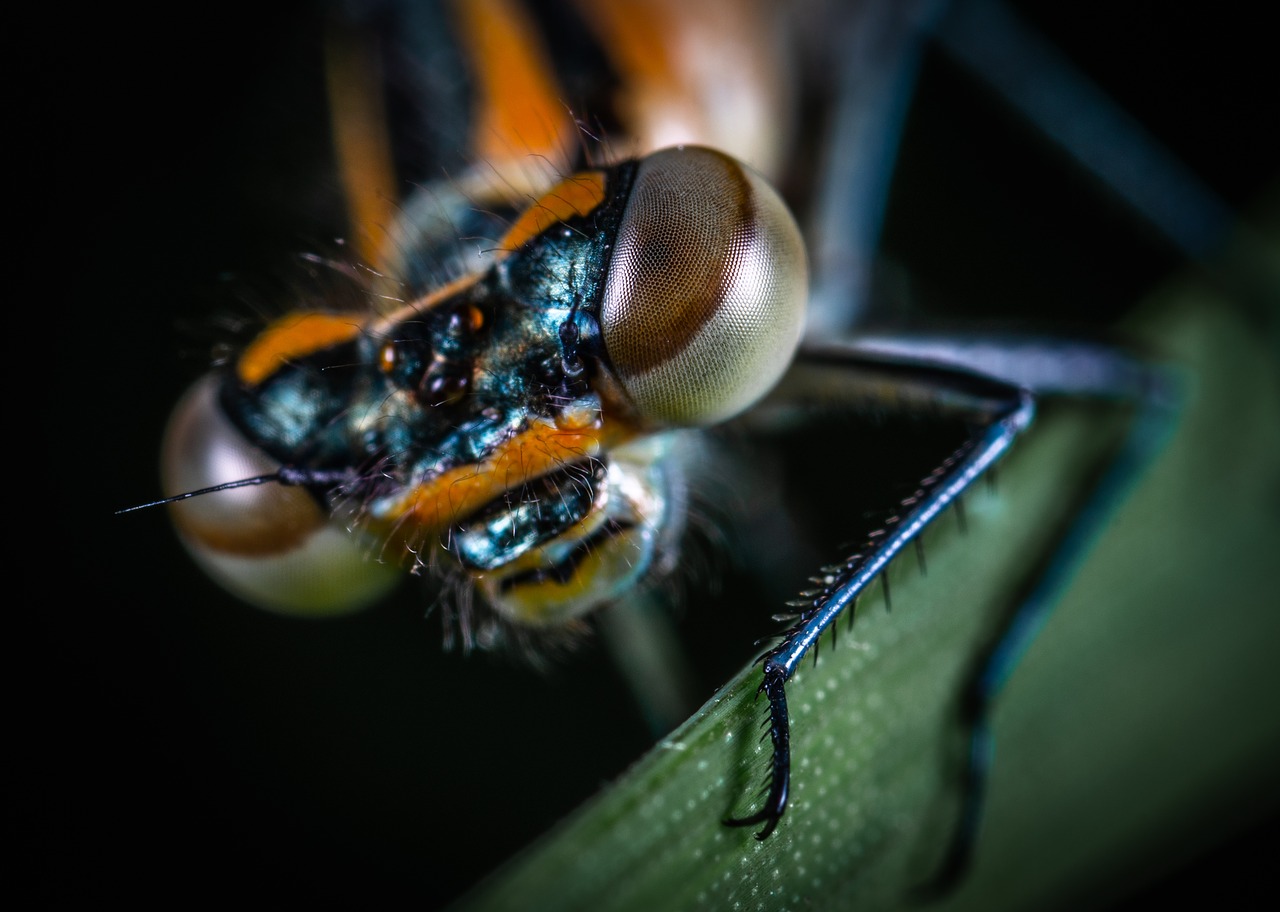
1013, 411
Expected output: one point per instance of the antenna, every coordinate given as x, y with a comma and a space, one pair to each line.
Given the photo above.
285, 475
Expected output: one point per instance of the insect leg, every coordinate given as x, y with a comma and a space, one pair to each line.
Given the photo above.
1005, 411
1049, 367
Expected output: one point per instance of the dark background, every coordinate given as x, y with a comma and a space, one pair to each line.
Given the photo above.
181, 743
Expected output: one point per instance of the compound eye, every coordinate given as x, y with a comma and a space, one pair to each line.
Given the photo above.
271, 545
704, 302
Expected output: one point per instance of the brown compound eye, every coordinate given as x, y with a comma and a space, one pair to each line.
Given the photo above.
705, 298
270, 544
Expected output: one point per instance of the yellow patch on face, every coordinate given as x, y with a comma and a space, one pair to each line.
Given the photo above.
610, 566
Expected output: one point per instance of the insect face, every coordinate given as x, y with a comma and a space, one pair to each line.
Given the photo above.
485, 426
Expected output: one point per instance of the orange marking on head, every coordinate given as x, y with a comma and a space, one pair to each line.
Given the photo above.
575, 195
457, 493
294, 336
415, 308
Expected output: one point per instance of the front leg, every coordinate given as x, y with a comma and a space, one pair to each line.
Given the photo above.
839, 588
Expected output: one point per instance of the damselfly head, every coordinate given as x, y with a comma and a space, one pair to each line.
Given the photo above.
509, 425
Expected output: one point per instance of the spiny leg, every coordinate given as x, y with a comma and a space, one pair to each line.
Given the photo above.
1007, 411
985, 379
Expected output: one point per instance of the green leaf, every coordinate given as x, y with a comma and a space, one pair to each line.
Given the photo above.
1140, 727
